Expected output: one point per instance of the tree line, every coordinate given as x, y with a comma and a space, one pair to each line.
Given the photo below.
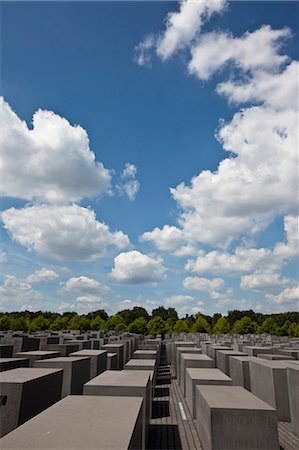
161, 321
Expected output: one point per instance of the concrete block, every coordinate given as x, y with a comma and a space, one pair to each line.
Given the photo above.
212, 352
145, 354
13, 363
119, 350
275, 357
290, 352
223, 359
112, 361
293, 388
195, 361
82, 422
98, 360
231, 418
196, 377
135, 383
82, 343
252, 350
6, 351
268, 381
76, 372
36, 355
239, 370
179, 351
28, 392
63, 349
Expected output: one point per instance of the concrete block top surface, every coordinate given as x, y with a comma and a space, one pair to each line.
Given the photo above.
112, 345
272, 364
207, 374
195, 357
244, 358
89, 422
141, 362
7, 360
232, 397
188, 349
62, 359
37, 353
232, 352
145, 352
25, 374
135, 378
88, 352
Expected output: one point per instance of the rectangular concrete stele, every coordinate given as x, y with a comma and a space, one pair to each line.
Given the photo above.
27, 392
63, 349
181, 350
82, 344
76, 372
290, 352
212, 352
275, 357
98, 360
111, 361
293, 388
231, 418
196, 377
175, 345
239, 370
268, 381
145, 354
135, 383
13, 363
36, 355
223, 359
255, 350
141, 364
195, 361
82, 422
6, 351
119, 350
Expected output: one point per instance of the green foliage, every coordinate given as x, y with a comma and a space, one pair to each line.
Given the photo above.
97, 323
201, 325
138, 326
156, 325
169, 313
5, 323
79, 323
269, 326
181, 326
129, 315
222, 326
245, 326
39, 323
294, 329
59, 323
116, 323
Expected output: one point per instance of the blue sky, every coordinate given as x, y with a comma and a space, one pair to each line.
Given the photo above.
151, 218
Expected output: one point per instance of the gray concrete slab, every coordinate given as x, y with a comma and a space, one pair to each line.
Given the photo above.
98, 360
119, 350
253, 350
275, 357
293, 388
63, 349
223, 359
231, 418
239, 370
36, 355
196, 377
13, 363
179, 351
112, 361
6, 351
27, 391
195, 361
82, 422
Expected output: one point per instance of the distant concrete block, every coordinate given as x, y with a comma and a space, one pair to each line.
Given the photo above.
231, 418
252, 350
6, 351
275, 357
269, 382
76, 372
37, 355
195, 361
98, 360
223, 359
239, 370
119, 350
196, 377
63, 349
181, 350
82, 422
27, 392
294, 353
13, 363
293, 388
212, 352
112, 361
145, 354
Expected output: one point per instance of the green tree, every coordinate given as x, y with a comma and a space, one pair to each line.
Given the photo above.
221, 326
164, 313
294, 329
97, 323
79, 323
269, 326
5, 323
244, 326
129, 315
138, 326
59, 323
39, 323
116, 323
201, 325
181, 326
156, 325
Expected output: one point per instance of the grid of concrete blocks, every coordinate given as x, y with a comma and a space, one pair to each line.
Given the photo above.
92, 390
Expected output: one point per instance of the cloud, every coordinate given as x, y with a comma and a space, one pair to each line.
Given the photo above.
89, 299
129, 186
3, 256
85, 286
167, 239
17, 291
290, 248
43, 274
214, 50
263, 281
52, 162
203, 284
178, 299
136, 268
287, 296
61, 232
182, 27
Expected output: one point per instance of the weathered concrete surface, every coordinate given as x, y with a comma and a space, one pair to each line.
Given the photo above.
13, 363
98, 360
239, 370
37, 355
195, 361
293, 388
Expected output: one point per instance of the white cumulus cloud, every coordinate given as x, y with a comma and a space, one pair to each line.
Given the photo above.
263, 281
167, 239
129, 185
61, 232
43, 274
203, 284
52, 162
136, 268
85, 285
